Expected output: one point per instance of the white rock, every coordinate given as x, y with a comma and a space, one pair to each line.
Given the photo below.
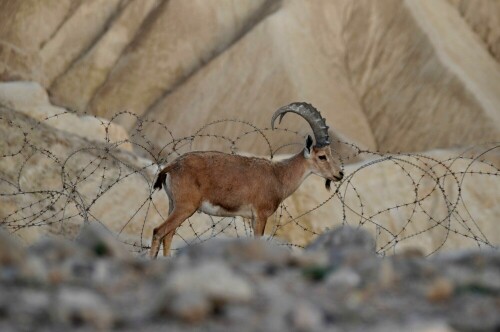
213, 280
84, 306
344, 278
306, 317
190, 307
31, 99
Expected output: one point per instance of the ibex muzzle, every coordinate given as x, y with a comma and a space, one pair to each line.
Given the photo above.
222, 184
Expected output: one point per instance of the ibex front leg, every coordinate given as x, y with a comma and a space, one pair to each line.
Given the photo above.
259, 224
167, 242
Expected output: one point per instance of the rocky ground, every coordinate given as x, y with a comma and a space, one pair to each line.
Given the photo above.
336, 284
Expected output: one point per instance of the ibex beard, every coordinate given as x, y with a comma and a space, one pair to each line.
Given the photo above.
227, 185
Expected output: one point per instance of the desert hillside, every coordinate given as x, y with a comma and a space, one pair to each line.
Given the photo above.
391, 75
96, 94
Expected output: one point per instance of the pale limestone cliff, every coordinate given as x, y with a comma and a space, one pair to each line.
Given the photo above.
484, 19
390, 75
52, 181
387, 75
180, 38
31, 99
76, 87
434, 201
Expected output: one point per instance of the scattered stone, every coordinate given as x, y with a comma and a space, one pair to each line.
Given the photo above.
411, 252
11, 251
243, 250
191, 307
75, 307
308, 259
387, 277
471, 312
35, 270
32, 307
344, 238
345, 243
306, 317
101, 242
54, 250
414, 327
440, 290
344, 278
244, 285
212, 280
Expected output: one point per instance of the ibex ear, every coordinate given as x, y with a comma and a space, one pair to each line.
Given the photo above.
307, 150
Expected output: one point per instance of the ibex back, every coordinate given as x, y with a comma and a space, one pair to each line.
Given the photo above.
225, 185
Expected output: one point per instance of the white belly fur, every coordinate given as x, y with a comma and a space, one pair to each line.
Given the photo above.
245, 211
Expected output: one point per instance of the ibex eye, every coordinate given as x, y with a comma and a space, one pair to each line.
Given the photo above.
322, 157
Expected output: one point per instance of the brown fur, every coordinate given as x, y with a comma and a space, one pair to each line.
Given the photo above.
233, 182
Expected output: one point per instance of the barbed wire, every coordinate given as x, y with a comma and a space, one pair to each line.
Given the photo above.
52, 181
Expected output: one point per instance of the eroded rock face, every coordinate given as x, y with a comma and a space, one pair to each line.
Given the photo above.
178, 40
391, 75
440, 200
26, 26
484, 19
52, 173
78, 32
277, 63
93, 68
31, 99
411, 64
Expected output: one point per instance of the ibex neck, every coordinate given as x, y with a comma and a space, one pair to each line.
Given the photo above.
291, 173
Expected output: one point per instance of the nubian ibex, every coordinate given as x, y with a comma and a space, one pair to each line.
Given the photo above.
227, 185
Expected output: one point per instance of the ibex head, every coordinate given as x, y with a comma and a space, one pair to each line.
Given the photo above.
229, 185
319, 157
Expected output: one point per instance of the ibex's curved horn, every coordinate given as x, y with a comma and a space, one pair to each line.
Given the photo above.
312, 116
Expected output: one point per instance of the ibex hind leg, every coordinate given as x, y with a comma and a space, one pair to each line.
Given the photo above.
167, 240
174, 220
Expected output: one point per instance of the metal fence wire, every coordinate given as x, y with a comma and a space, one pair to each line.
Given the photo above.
52, 181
